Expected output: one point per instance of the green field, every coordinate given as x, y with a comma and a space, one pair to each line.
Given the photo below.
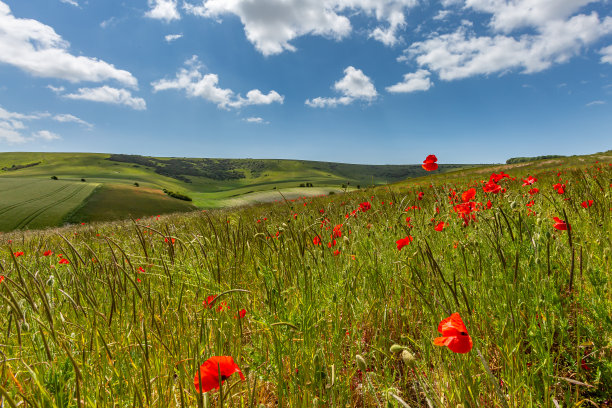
31, 203
320, 305
211, 183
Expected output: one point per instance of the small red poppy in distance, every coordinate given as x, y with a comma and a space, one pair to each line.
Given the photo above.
47, 253
209, 301
1, 278
241, 314
403, 242
207, 377
560, 224
316, 240
363, 207
420, 195
587, 204
440, 226
454, 335
18, 254
429, 164
64, 261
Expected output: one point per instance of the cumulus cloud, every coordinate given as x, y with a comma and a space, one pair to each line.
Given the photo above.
462, 54
417, 81
106, 94
13, 125
172, 37
196, 84
606, 54
510, 15
271, 24
165, 10
354, 86
37, 49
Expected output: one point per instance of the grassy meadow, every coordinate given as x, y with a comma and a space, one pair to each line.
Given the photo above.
317, 305
122, 186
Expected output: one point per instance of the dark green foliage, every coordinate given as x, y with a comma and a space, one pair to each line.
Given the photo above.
20, 166
53, 177
180, 196
515, 160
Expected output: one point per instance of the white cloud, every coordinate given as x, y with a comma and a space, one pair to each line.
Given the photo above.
463, 54
45, 135
163, 10
109, 22
256, 120
509, 15
71, 2
442, 14
37, 49
56, 89
195, 84
172, 37
271, 24
593, 103
450, 3
355, 85
417, 81
66, 117
606, 54
106, 94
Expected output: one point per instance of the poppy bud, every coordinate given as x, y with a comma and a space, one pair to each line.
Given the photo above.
407, 358
396, 348
361, 363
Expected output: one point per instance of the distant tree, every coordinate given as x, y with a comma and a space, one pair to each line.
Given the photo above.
82, 179
358, 187
136, 185
302, 185
53, 177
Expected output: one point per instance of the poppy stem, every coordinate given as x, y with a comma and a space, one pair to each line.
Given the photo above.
492, 378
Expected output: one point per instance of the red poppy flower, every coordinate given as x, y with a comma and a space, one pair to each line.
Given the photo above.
64, 261
560, 224
559, 187
534, 191
468, 195
207, 377
454, 335
491, 187
209, 300
18, 254
408, 222
316, 240
331, 244
47, 253
429, 164
587, 204
489, 204
1, 278
531, 203
403, 242
241, 314
337, 231
420, 196
529, 181
141, 269
172, 240
336, 252
440, 226
222, 306
365, 206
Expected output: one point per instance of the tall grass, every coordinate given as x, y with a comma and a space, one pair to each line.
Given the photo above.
127, 323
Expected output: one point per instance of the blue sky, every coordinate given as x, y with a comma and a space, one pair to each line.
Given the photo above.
359, 81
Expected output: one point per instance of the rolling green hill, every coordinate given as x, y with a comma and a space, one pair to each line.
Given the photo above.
96, 186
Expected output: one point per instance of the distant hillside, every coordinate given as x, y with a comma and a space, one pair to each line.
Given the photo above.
48, 189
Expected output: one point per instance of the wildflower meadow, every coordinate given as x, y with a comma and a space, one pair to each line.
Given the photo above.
488, 287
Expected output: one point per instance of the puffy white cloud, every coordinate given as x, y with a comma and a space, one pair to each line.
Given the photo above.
606, 54
45, 135
442, 14
37, 49
462, 54
163, 10
195, 84
354, 86
56, 89
271, 24
509, 15
12, 126
106, 94
417, 81
172, 37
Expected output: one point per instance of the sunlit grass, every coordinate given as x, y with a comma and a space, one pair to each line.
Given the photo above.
99, 332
